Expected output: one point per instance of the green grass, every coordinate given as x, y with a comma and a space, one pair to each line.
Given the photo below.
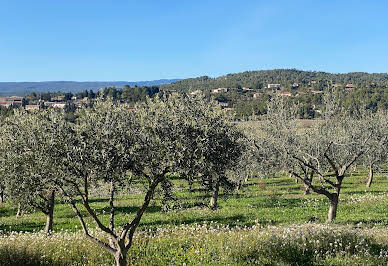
274, 201
210, 244
257, 207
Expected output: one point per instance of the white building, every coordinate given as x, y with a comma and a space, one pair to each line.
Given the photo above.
273, 86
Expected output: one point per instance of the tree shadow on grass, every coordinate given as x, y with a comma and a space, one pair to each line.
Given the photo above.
360, 192
278, 202
365, 223
6, 212
12, 256
232, 221
134, 209
21, 227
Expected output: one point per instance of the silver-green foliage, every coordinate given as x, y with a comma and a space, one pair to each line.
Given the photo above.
29, 166
166, 135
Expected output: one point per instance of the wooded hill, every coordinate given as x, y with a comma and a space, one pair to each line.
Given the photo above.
248, 92
285, 77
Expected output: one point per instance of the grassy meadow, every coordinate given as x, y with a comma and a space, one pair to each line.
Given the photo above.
268, 221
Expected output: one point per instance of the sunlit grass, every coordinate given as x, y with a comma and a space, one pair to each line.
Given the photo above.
209, 244
263, 207
274, 201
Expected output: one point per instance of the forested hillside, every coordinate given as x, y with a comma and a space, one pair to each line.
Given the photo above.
246, 93
285, 77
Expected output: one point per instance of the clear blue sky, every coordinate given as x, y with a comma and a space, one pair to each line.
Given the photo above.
92, 40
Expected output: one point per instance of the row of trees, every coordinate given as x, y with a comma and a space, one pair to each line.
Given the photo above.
126, 94
43, 156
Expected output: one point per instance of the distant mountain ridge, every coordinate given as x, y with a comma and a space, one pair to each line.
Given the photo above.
24, 88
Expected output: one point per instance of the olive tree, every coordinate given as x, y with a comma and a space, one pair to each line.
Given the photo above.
162, 136
219, 147
96, 152
377, 154
29, 161
320, 156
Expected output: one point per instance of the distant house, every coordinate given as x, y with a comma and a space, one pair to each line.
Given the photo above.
316, 92
49, 104
32, 107
256, 95
14, 98
195, 92
5, 104
218, 90
246, 89
273, 86
285, 93
11, 101
60, 105
349, 87
222, 104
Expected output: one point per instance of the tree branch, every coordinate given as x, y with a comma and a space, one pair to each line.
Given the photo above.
321, 191
84, 227
131, 227
307, 164
332, 164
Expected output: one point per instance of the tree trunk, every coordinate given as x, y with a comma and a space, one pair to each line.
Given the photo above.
1, 196
296, 179
19, 213
121, 258
214, 198
370, 177
333, 208
306, 190
50, 213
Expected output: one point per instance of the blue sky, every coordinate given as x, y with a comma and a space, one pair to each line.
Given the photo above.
89, 40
